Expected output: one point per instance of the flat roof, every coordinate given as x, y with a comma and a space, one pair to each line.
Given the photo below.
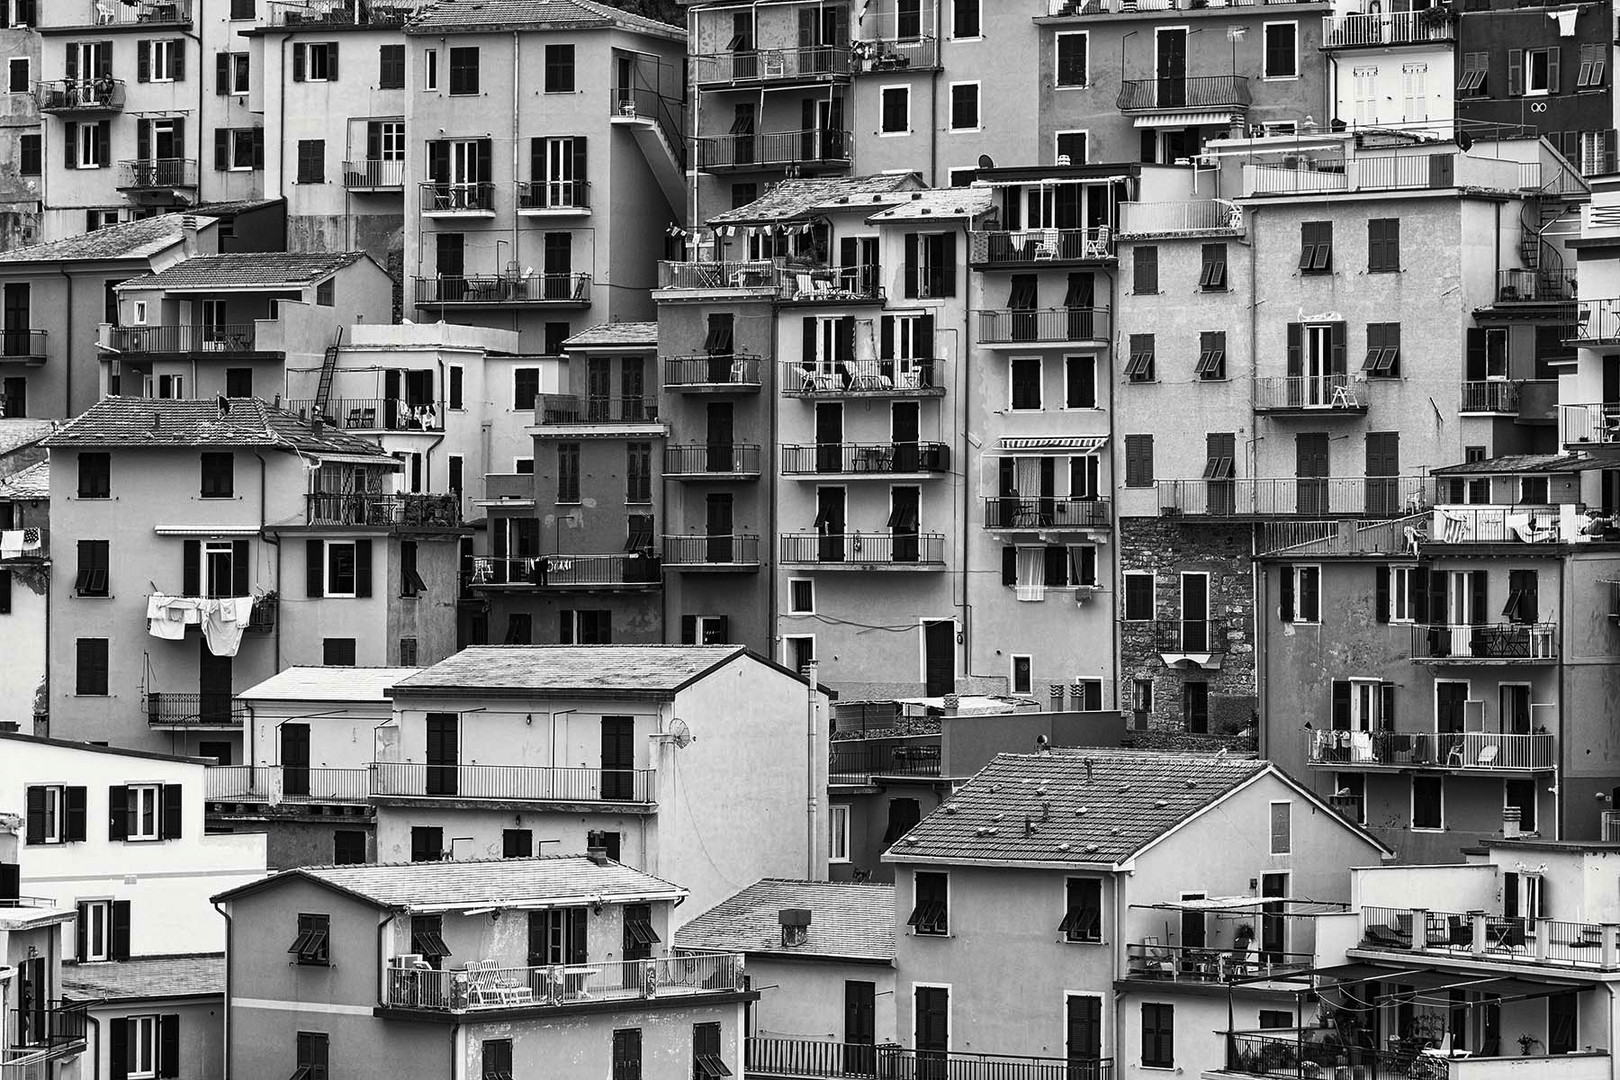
328, 684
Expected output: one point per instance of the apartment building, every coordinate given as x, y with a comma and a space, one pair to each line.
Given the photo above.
499, 750
302, 522
42, 1031
506, 967
25, 593
563, 233
827, 951
161, 1015
1065, 882
21, 153
1395, 69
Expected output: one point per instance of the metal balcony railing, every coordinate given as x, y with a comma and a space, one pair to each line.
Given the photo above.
1609, 826
888, 55
468, 197
51, 1023
727, 373
1467, 751
569, 409
588, 571
1016, 512
185, 338
1303, 496
1381, 172
1491, 642
1043, 325
504, 289
374, 174
1059, 9
372, 414
286, 783
1189, 635
318, 14
919, 377
1395, 28
23, 343
647, 103
1296, 393
1031, 247
156, 173
1501, 523
1491, 396
1196, 92
80, 95
771, 65
813, 1059
1535, 286
1501, 938
1589, 422
194, 710
1303, 1056
731, 550
1597, 322
898, 549
157, 14
900, 756
1198, 964
878, 459
521, 782
808, 146
397, 510
720, 274
712, 461
1191, 216
492, 988
554, 195
830, 284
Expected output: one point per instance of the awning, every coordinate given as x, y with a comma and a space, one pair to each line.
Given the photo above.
206, 530
1051, 181
1069, 444
1429, 981
381, 462
1250, 904
1222, 117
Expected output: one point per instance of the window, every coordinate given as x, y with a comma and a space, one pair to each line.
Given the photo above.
1301, 594
233, 73
517, 843
1138, 461
965, 19
1383, 350
163, 60
348, 847
1316, 247
965, 106
1082, 918
90, 669
706, 1060
838, 833
930, 266
1026, 382
1282, 50
497, 1053
242, 148
337, 652
1072, 66
1272, 1019
1139, 595
1142, 696
427, 843
315, 61
427, 938
342, 573
557, 936
1533, 72
568, 472
1080, 382
523, 466
1475, 67
144, 804
1596, 155
896, 110
1022, 678
801, 596
243, 9
626, 1054
312, 946
559, 69
312, 1056
1212, 277
585, 627
407, 652
30, 156
464, 70
391, 67
1383, 245
326, 293
1282, 828
1428, 802
1071, 145
87, 146
638, 472
93, 569
311, 161
218, 476
525, 388
930, 912
1402, 592
141, 1043
1158, 1036
55, 814
430, 69
96, 937
1211, 355
1594, 58
410, 579
1415, 91
1139, 363
1533, 489
1145, 269
95, 473
18, 81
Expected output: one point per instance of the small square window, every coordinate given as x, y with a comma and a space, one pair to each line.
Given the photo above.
802, 596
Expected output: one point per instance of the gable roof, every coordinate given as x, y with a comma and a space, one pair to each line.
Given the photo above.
1528, 463
545, 881
167, 422
96, 748
248, 270
937, 204
488, 15
33, 482
143, 978
848, 921
799, 198
129, 240
624, 670
616, 333
328, 684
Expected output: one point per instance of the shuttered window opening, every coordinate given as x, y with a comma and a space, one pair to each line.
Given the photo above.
1211, 355
1082, 918
1383, 350
312, 945
1316, 247
1139, 365
1212, 278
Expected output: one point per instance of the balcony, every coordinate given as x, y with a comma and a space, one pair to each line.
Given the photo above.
145, 14
750, 276
1303, 496
1214, 92
1014, 513
25, 346
194, 711
453, 200
888, 56
185, 340
806, 148
1459, 751
728, 553
1531, 401
1535, 286
830, 285
815, 1059
1588, 423
1597, 323
400, 511
719, 461
687, 979
859, 759
286, 784
1191, 217
371, 414
81, 97
864, 551
911, 460
1182, 636
1485, 643
1382, 172
1431, 25
1315, 1053
1206, 966
596, 414
336, 14
1477, 935
811, 63
919, 377
1036, 248
731, 373
535, 197
523, 783
615, 570
501, 290
1314, 395
156, 174
50, 1025
374, 174
1500, 523
1044, 326
1068, 9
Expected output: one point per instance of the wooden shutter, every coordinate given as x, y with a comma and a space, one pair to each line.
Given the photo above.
258, 148
104, 144
222, 149
688, 629
314, 568
1515, 87
1336, 345
1296, 350
1341, 705
70, 144
117, 812
35, 801
298, 62
168, 1062
71, 68
118, 1048
362, 568
910, 275
170, 802
143, 62
1381, 593
1285, 592
239, 568
222, 73
74, 825
332, 62
119, 937
945, 270
178, 45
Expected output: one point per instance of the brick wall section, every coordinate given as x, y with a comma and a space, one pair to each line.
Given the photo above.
1168, 548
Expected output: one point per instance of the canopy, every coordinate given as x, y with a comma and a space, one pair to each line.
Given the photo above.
1247, 905
1433, 986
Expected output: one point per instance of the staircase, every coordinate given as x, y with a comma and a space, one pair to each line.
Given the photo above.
655, 128
1541, 213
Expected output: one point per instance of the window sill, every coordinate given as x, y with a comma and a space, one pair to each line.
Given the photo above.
1071, 86
894, 134
935, 937
99, 596
1280, 78
1076, 941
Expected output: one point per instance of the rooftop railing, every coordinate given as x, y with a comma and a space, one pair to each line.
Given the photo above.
1198, 964
318, 14
1281, 1056
286, 783
1461, 751
1191, 216
1058, 9
486, 986
1382, 172
516, 782
372, 414
719, 274
918, 756
1501, 938
157, 14
399, 510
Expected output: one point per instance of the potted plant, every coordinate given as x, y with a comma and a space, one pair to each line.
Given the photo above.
1243, 936
1526, 1042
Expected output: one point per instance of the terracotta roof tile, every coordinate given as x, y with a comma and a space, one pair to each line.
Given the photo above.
270, 270
533, 14
616, 333
854, 920
800, 198
130, 240
569, 668
150, 422
146, 977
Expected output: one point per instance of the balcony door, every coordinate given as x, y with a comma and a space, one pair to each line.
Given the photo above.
599, 388
450, 255
443, 753
1310, 472
822, 136
33, 1001
860, 1027
468, 164
557, 262
1195, 635
905, 509
905, 424
932, 1037
1170, 67
1450, 707
295, 759
1273, 923
1383, 465
829, 438
721, 448
16, 317
720, 521
830, 502
618, 757
1467, 606
939, 657
213, 686
1084, 1036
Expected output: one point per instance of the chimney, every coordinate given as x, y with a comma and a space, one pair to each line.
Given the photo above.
795, 925
1510, 823
317, 425
188, 231
597, 854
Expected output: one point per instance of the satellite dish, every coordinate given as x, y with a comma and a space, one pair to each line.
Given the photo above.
985, 162
680, 733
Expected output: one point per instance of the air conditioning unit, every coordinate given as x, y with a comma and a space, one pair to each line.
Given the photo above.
406, 960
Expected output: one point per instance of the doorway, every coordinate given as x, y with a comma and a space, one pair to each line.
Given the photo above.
295, 759
939, 657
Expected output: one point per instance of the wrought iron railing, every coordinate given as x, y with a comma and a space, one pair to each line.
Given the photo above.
767, 65
1017, 512
154, 173
1034, 246
1303, 496
80, 95
1049, 325
50, 1023
374, 173
554, 194
825, 1060
194, 710
855, 378
1534, 286
1597, 322
1189, 635
810, 146
732, 549
712, 460
1502, 642
721, 373
917, 756
407, 511
505, 289
485, 985
1196, 92
372, 414
30, 343
157, 14
567, 571
185, 338
1329, 393
555, 409
1464, 751
1200, 964
469, 197
860, 458
286, 783
1394, 28
898, 549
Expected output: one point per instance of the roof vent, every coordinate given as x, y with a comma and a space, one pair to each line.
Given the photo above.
795, 925
598, 854
916, 196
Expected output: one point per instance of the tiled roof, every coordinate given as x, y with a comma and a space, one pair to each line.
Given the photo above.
1092, 806
146, 977
847, 919
938, 204
248, 270
152, 422
33, 482
20, 431
799, 198
615, 333
475, 883
130, 240
235, 206
1528, 463
488, 15
328, 684
628, 669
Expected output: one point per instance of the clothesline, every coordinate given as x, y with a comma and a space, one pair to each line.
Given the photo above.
223, 619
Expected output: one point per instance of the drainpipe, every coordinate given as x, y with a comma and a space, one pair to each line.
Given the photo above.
810, 778
264, 534
225, 1012
516, 159
380, 965
1256, 572
455, 1052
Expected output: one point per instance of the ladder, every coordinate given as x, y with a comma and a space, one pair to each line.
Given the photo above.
323, 391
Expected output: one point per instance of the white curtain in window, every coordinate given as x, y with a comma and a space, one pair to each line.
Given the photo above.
1031, 573
1028, 474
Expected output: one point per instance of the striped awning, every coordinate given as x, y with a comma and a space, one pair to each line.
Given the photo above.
206, 530
1222, 116
1068, 444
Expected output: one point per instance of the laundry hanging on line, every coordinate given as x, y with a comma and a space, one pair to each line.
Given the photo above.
222, 619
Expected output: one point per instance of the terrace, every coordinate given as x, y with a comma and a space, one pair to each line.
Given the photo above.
1314, 395
806, 147
1152, 962
857, 760
818, 1059
505, 290
1191, 217
997, 250
1477, 935
721, 461
186, 339
396, 510
1484, 752
1485, 643
1215, 92
320, 14
750, 276
1014, 513
617, 570
182, 711
754, 67
274, 784
100, 14
596, 414
80, 97
153, 175
521, 783
1430, 25
1293, 496
484, 987
372, 414
1381, 172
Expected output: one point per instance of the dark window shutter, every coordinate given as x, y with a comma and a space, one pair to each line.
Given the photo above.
104, 144
168, 1061
362, 568
222, 73
580, 160
688, 629
314, 567
485, 157
374, 140
809, 355
923, 335
5, 592
1009, 565
946, 270
70, 144
71, 68
143, 61
1474, 362
1515, 85
11, 885
298, 63
886, 338
576, 935
1386, 706
1296, 350
332, 65
117, 812
169, 795
1341, 705
81, 929
119, 948
846, 339
1477, 580
258, 148
1285, 589
179, 46
104, 68
222, 149
36, 816
911, 265
1336, 341
191, 580
1381, 593
723, 633
1553, 55
118, 1048
75, 827
239, 568
1420, 594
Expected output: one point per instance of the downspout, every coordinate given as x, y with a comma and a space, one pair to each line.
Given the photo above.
455, 1051
281, 107
1118, 576
225, 1011
201, 197
1256, 571
67, 365
810, 779
264, 534
517, 258
380, 966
